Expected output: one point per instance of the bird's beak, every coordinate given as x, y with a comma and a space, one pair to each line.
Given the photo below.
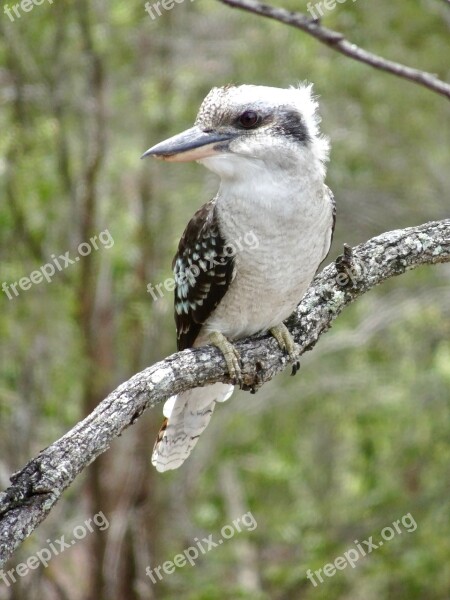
192, 144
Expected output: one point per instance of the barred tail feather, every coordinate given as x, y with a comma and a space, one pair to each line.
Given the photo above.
187, 415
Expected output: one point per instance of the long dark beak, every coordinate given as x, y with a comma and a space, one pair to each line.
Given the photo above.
192, 144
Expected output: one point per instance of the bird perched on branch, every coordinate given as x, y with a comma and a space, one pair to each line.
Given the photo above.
265, 145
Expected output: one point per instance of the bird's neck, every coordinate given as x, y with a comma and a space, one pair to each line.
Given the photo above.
278, 191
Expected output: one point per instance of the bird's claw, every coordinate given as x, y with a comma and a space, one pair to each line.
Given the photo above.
231, 356
287, 344
295, 368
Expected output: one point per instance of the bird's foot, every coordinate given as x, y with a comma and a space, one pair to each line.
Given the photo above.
287, 344
230, 354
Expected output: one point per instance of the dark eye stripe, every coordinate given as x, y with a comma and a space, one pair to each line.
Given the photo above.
292, 125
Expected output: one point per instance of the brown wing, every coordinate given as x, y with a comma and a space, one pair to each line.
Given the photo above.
204, 268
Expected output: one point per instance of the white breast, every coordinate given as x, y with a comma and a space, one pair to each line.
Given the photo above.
292, 234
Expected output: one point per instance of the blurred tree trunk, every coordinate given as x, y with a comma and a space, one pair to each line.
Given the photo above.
117, 575
141, 533
94, 302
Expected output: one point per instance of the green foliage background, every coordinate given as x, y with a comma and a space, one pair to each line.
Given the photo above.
358, 439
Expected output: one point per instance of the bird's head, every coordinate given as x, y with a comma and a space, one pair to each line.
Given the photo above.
251, 126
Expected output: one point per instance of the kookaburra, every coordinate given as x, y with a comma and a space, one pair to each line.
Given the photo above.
264, 144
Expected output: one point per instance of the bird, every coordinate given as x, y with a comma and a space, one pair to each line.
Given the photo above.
265, 145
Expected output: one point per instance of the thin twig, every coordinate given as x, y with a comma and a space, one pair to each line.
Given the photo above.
337, 41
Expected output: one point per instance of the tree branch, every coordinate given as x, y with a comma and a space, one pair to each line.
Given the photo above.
337, 41
37, 487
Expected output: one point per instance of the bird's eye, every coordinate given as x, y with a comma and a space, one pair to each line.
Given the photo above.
248, 119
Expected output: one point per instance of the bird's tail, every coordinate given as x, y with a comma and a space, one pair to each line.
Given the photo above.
187, 415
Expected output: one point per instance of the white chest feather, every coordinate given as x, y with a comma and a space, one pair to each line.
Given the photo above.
281, 236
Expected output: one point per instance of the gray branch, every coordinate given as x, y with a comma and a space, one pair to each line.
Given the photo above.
336, 41
37, 487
